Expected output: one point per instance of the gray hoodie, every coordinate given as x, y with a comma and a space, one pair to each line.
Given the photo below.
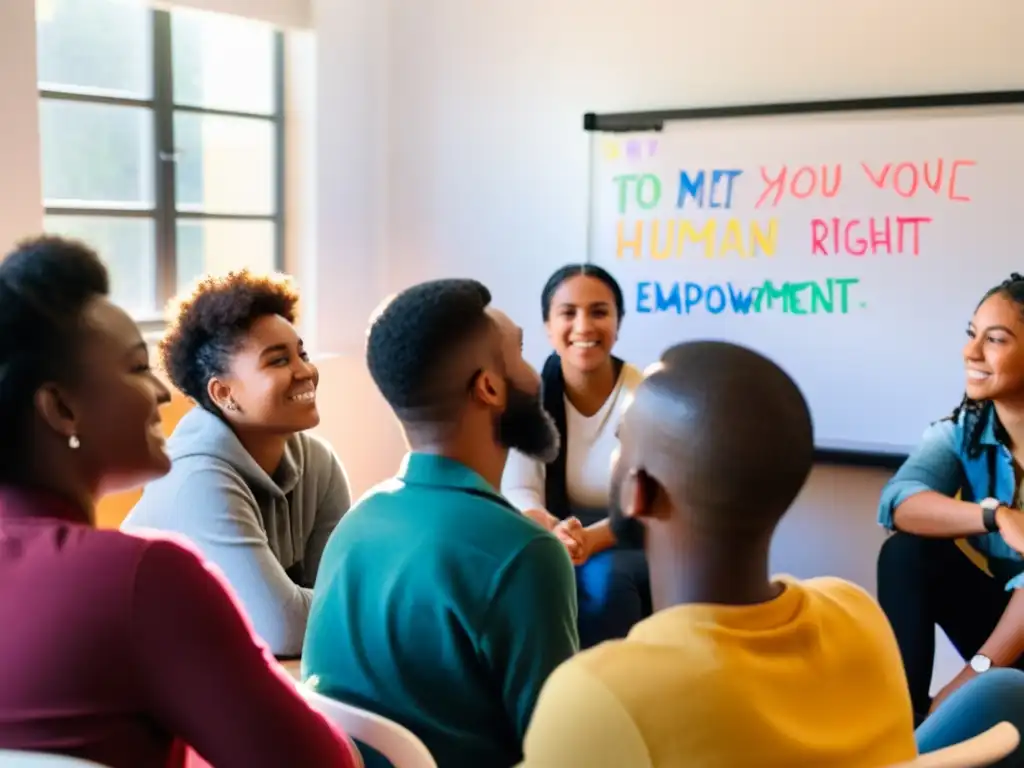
265, 534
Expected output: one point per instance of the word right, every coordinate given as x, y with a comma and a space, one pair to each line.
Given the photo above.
887, 234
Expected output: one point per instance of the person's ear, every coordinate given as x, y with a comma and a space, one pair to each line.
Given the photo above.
489, 388
220, 394
55, 409
643, 492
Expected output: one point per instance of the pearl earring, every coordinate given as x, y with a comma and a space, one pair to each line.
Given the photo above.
74, 443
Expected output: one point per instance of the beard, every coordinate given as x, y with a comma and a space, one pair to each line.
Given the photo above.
526, 427
629, 532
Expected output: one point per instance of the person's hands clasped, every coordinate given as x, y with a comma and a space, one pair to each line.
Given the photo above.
542, 518
572, 533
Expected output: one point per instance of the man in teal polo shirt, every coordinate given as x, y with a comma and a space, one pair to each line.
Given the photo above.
437, 604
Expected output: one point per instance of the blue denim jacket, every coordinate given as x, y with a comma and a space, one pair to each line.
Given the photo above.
940, 463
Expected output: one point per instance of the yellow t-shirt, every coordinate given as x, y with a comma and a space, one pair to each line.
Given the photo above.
812, 678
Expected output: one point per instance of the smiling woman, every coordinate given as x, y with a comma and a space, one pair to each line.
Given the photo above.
956, 503
255, 493
586, 389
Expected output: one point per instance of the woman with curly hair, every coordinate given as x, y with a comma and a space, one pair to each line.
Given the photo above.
955, 505
115, 648
255, 493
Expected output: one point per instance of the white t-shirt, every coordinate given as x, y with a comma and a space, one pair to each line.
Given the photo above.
590, 442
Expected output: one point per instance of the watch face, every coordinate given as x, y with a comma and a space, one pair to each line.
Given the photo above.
981, 663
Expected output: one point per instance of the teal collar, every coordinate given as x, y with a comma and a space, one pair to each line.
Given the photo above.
440, 471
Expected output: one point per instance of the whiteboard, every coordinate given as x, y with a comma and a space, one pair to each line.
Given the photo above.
850, 247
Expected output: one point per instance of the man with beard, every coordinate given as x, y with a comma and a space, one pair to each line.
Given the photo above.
437, 604
734, 668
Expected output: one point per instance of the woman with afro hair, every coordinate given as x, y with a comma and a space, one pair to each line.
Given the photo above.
256, 493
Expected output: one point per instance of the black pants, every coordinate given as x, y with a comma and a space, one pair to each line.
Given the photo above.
923, 582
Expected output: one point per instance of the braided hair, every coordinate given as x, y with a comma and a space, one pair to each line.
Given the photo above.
976, 412
46, 284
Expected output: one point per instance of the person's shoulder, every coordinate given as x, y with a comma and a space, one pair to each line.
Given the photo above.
123, 552
166, 547
632, 377
104, 544
185, 497
319, 460
837, 599
604, 728
316, 451
619, 666
374, 509
947, 429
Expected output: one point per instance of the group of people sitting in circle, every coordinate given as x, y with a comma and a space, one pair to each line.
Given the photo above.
568, 568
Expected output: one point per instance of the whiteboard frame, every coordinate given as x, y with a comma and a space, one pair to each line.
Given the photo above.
654, 120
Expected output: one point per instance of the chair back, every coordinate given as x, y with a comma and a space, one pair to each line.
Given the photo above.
10, 758
400, 746
982, 750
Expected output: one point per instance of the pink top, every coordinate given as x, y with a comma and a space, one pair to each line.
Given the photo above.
121, 649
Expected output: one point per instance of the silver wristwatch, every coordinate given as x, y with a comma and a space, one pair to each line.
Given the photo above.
988, 513
981, 663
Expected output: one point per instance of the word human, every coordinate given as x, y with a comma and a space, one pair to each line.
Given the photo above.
661, 239
941, 177
828, 296
857, 237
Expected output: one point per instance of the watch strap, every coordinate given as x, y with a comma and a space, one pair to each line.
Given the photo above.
988, 515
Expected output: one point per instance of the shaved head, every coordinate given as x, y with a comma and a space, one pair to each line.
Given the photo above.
722, 434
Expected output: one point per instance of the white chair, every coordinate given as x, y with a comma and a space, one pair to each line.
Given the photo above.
397, 744
984, 749
17, 759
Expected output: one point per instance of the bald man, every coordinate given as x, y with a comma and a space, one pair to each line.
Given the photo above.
734, 668
437, 604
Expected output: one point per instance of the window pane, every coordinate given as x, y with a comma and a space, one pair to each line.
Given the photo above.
102, 46
222, 62
216, 247
225, 164
127, 247
96, 155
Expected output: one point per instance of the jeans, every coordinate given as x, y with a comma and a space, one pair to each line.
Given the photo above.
988, 699
927, 582
613, 589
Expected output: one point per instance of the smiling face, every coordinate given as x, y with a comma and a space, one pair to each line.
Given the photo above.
994, 352
116, 403
583, 323
270, 384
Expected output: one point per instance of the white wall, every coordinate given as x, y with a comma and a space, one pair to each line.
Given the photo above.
483, 159
483, 163
21, 196
287, 14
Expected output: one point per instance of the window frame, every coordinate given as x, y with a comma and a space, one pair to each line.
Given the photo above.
164, 213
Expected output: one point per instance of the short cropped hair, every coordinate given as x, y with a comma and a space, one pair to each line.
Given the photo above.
739, 431
209, 324
415, 339
46, 283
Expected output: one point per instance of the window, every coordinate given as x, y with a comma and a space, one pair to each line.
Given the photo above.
162, 139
